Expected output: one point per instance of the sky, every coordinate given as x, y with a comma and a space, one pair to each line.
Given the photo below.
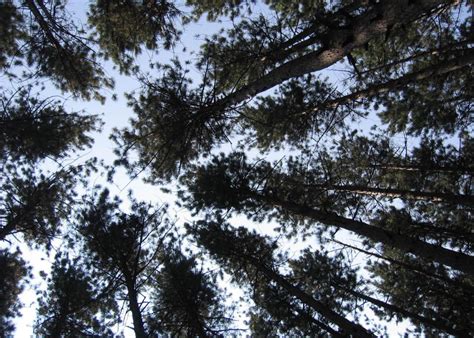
116, 114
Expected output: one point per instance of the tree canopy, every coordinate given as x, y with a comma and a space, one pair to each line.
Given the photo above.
311, 166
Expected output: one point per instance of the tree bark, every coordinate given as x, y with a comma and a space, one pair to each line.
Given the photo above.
340, 42
456, 260
42, 22
138, 325
311, 34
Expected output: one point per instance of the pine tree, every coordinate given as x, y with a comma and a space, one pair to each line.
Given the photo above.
186, 302
73, 305
447, 303
123, 248
134, 256
12, 283
254, 188
43, 36
124, 27
248, 258
175, 123
404, 187
316, 268
34, 201
33, 129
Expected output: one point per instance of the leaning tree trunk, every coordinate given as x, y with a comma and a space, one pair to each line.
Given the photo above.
426, 168
416, 167
422, 272
423, 74
449, 48
346, 325
456, 260
340, 42
394, 84
308, 36
436, 323
398, 193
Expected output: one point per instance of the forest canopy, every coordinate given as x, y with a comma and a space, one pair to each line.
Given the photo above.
314, 162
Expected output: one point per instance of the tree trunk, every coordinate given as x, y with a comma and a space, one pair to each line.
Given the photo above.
456, 260
340, 42
138, 326
465, 287
309, 35
430, 168
48, 30
437, 323
425, 73
43, 24
196, 324
346, 325
449, 48
399, 193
